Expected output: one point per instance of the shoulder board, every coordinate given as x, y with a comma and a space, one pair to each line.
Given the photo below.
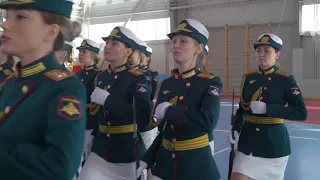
135, 72
7, 72
206, 76
251, 72
282, 73
96, 70
152, 70
143, 70
58, 74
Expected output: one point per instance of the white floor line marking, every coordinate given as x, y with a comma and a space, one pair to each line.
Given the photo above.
312, 130
221, 151
221, 130
294, 137
305, 138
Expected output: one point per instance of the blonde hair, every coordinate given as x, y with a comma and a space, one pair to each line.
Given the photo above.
69, 30
10, 61
200, 60
95, 57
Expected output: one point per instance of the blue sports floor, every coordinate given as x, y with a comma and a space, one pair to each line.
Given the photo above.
305, 144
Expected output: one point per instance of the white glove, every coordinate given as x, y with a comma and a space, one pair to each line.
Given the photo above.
234, 140
99, 96
258, 107
142, 167
161, 110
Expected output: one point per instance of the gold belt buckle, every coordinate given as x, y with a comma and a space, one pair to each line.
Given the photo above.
171, 146
258, 120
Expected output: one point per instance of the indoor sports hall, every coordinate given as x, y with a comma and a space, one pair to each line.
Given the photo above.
233, 26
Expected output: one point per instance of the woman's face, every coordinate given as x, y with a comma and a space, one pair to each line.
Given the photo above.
266, 56
144, 59
135, 58
24, 31
115, 51
184, 48
85, 57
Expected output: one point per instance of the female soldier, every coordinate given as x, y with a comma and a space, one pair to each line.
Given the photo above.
187, 109
264, 144
112, 154
148, 133
65, 54
145, 65
88, 56
42, 108
6, 64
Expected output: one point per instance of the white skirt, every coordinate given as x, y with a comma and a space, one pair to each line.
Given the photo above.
258, 168
149, 136
96, 168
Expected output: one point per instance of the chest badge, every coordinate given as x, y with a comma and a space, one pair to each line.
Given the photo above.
142, 88
165, 92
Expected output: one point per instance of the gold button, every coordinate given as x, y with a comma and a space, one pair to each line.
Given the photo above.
188, 84
269, 78
174, 140
265, 88
257, 129
109, 123
25, 89
173, 156
108, 86
81, 79
7, 110
181, 97
172, 126
86, 72
261, 98
115, 77
108, 135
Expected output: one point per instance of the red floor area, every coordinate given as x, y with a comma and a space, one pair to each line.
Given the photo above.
313, 114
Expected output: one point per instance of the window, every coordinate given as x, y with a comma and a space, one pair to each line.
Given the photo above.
97, 31
146, 30
310, 18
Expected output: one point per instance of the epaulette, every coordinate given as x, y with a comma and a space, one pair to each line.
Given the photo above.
251, 72
143, 70
7, 72
58, 74
135, 72
205, 76
152, 70
96, 70
282, 73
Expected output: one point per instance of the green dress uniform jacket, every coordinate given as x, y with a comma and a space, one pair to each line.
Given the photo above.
152, 76
114, 137
42, 122
5, 71
266, 135
181, 151
87, 76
